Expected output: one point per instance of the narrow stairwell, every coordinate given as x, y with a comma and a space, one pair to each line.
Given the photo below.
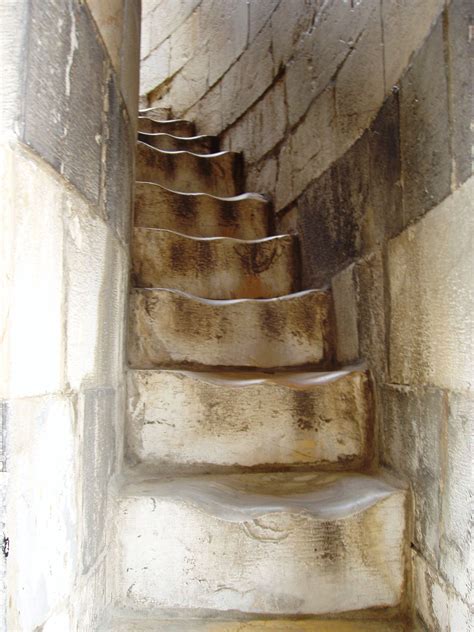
249, 494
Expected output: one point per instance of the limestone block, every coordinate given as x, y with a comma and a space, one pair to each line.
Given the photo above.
424, 129
411, 445
356, 106
207, 112
59, 124
432, 300
456, 513
218, 174
225, 27
343, 534
166, 17
108, 16
260, 12
176, 127
284, 179
180, 419
246, 216
313, 142
215, 267
290, 22
95, 278
322, 52
168, 142
262, 176
184, 42
98, 414
287, 222
247, 79
346, 315
406, 23
155, 68
190, 84
43, 445
31, 361
130, 57
171, 328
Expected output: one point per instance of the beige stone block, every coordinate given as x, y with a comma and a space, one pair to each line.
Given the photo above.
432, 297
32, 301
171, 328
130, 58
207, 112
346, 316
262, 176
43, 472
215, 267
166, 17
359, 87
155, 68
260, 12
184, 420
265, 543
184, 42
246, 216
284, 192
108, 15
287, 222
406, 24
290, 22
190, 84
217, 174
313, 142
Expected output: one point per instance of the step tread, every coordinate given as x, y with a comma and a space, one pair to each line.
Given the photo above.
249, 496
259, 197
290, 237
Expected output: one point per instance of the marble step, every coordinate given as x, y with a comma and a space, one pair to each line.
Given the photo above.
215, 267
218, 174
246, 216
168, 142
169, 328
177, 127
156, 113
199, 422
279, 544
213, 624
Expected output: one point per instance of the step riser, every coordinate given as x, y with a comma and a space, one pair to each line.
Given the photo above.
155, 113
168, 329
174, 554
200, 215
177, 421
217, 269
198, 144
175, 127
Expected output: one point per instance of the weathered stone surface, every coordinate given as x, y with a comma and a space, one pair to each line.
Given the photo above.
189, 85
406, 25
184, 41
168, 142
62, 126
343, 534
176, 127
424, 129
170, 328
246, 216
180, 419
217, 174
262, 176
432, 300
290, 22
460, 45
98, 416
411, 446
215, 267
346, 315
130, 57
155, 113
284, 176
166, 17
108, 15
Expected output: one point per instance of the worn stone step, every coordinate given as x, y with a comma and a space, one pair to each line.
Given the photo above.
215, 267
168, 142
156, 113
177, 127
291, 543
169, 328
246, 216
257, 625
193, 421
218, 174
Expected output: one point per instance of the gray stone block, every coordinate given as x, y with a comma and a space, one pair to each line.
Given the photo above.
63, 104
424, 128
98, 414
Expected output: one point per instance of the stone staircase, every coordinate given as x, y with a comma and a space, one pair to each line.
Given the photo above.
249, 501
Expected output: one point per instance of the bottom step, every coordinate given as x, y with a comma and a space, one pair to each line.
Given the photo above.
276, 544
274, 625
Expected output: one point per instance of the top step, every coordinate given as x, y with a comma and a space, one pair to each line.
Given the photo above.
176, 127
156, 114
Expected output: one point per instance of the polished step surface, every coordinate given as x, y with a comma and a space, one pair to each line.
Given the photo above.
218, 174
280, 543
168, 328
246, 216
168, 142
196, 421
215, 267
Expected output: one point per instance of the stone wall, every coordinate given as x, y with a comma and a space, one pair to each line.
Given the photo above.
69, 99
355, 117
